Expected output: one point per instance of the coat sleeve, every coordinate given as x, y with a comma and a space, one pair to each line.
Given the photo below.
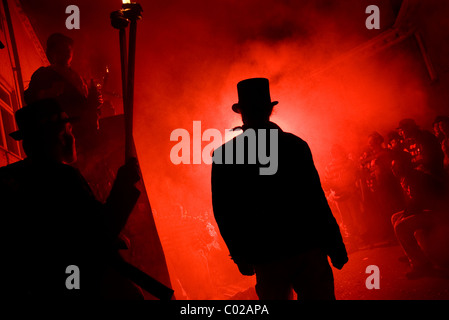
330, 237
224, 210
112, 215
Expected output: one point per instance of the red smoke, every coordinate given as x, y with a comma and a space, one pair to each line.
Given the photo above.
191, 54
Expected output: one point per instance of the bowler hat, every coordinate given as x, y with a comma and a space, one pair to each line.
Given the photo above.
37, 117
254, 92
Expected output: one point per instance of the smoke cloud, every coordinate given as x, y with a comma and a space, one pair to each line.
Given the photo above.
190, 56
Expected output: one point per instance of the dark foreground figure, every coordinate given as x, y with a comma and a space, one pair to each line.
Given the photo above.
51, 220
278, 225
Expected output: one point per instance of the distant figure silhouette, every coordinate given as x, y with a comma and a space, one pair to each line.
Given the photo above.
424, 148
51, 219
426, 208
277, 226
340, 178
60, 82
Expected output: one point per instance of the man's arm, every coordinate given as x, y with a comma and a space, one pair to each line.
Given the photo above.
122, 198
332, 239
224, 212
220, 203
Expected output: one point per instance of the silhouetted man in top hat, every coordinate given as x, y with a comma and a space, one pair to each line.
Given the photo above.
50, 218
276, 224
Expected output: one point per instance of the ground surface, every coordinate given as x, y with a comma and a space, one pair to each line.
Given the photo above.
393, 285
350, 281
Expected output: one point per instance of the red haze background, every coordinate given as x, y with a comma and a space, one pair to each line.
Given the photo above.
331, 83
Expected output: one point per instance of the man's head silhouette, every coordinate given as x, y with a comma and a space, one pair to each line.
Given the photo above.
59, 49
254, 103
407, 128
46, 132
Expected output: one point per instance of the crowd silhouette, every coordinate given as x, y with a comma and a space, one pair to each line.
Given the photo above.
396, 187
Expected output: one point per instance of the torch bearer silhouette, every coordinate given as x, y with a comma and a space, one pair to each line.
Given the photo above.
121, 19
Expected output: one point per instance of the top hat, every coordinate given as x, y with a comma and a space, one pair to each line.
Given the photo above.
254, 92
40, 116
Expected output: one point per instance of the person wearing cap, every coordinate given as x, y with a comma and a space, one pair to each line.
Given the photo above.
277, 226
60, 82
51, 219
423, 146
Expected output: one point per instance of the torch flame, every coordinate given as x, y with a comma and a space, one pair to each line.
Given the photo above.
126, 1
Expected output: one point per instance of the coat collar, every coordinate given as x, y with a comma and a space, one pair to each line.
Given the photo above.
268, 125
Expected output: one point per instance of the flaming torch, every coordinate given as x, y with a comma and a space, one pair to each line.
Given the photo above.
128, 16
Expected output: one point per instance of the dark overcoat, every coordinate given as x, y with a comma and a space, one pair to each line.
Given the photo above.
51, 220
266, 217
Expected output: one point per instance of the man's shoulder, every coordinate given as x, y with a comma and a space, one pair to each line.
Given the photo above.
45, 75
22, 166
228, 144
284, 136
292, 138
292, 144
219, 153
12, 174
44, 71
12, 168
70, 171
286, 141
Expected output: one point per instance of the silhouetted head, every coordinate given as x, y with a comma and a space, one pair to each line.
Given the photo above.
45, 131
407, 128
443, 125
436, 126
59, 50
375, 141
254, 103
393, 140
